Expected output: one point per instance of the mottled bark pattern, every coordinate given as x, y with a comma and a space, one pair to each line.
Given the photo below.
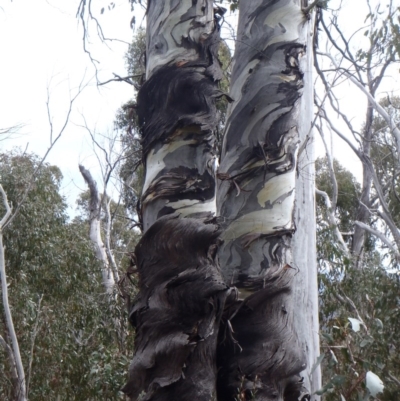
176, 109
177, 312
258, 164
256, 201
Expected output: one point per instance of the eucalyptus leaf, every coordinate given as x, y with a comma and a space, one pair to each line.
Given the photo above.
317, 363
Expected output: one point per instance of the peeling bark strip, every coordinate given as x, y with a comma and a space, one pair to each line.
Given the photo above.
256, 194
262, 357
176, 109
256, 199
177, 312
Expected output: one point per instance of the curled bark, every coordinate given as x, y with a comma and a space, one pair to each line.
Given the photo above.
256, 201
262, 357
176, 110
177, 312
258, 163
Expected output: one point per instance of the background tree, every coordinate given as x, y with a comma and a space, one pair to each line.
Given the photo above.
362, 58
61, 314
358, 307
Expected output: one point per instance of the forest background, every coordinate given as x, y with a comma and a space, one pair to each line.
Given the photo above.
64, 318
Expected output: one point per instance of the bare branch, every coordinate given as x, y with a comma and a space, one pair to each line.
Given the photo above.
332, 221
385, 213
81, 87
379, 235
128, 79
383, 113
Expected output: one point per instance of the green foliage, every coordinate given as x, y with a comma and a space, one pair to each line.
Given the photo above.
384, 155
328, 251
79, 349
370, 295
234, 4
136, 56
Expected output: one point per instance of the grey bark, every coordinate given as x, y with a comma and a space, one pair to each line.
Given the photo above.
264, 194
177, 312
182, 294
176, 110
261, 352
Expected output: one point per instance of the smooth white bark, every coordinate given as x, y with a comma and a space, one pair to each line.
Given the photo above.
304, 243
21, 390
95, 231
332, 220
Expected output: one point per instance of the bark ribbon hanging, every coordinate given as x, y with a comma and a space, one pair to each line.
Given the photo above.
260, 354
177, 312
177, 112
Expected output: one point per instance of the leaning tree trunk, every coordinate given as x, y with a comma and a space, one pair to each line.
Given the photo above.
271, 335
181, 292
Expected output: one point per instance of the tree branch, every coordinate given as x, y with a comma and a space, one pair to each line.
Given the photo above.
378, 234
332, 220
95, 231
9, 321
392, 125
34, 334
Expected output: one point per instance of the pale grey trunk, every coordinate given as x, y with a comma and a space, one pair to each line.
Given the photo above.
95, 231
20, 384
305, 284
263, 196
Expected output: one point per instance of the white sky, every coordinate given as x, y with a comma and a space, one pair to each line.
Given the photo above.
41, 46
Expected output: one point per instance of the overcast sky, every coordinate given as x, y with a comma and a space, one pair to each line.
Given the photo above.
41, 50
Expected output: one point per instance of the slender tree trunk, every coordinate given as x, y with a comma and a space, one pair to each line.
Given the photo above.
20, 383
363, 212
264, 195
95, 230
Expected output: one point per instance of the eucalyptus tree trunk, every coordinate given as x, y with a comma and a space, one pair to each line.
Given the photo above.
181, 292
265, 194
176, 109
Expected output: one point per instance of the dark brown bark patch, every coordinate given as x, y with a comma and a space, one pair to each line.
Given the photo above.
259, 354
177, 312
180, 95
